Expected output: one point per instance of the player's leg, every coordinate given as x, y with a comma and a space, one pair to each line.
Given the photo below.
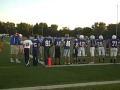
17, 52
26, 54
115, 54
99, 51
64, 56
79, 55
83, 54
37, 54
59, 55
68, 55
34, 57
45, 56
55, 56
111, 54
92, 51
12, 53
103, 53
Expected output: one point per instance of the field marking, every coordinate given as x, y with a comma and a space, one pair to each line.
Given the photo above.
66, 85
42, 63
96, 64
7, 42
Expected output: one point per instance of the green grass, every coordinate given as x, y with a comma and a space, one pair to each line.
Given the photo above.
36, 76
14, 75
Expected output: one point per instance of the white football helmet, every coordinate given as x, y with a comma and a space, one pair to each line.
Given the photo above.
100, 37
92, 37
81, 37
114, 37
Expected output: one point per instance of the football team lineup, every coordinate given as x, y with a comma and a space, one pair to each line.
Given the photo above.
52, 76
81, 45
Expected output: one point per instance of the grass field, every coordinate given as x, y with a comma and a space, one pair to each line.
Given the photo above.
13, 75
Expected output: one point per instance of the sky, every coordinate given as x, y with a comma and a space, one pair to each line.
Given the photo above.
64, 13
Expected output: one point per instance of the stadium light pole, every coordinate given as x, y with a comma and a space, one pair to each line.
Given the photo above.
117, 21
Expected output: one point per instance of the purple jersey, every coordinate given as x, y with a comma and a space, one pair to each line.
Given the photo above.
100, 42
36, 45
92, 43
75, 43
67, 42
47, 42
114, 43
57, 42
81, 43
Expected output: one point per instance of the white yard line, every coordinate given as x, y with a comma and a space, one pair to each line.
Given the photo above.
96, 64
66, 85
7, 42
41, 62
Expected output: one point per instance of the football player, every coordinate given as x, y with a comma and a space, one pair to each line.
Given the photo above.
101, 49
47, 44
67, 44
81, 48
75, 50
35, 49
113, 48
27, 45
57, 43
92, 48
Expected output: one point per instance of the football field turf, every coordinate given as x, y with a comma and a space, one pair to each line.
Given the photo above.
15, 75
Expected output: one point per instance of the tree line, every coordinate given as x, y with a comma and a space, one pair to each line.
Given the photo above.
98, 28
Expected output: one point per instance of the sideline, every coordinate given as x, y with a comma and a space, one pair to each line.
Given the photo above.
95, 64
66, 85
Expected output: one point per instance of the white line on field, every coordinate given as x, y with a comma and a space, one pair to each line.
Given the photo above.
96, 64
66, 85
41, 62
7, 42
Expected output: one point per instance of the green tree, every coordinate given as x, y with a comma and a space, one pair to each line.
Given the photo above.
8, 27
99, 28
2, 28
87, 31
111, 30
53, 30
24, 28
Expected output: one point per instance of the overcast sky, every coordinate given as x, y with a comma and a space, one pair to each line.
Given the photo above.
64, 13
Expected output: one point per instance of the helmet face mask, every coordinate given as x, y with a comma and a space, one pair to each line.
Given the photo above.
114, 37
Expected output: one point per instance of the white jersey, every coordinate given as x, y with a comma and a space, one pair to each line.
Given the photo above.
27, 43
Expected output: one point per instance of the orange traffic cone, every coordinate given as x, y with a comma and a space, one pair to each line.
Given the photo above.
49, 61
